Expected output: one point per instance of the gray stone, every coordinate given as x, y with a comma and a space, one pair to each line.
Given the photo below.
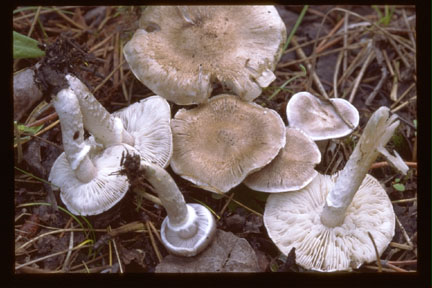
227, 253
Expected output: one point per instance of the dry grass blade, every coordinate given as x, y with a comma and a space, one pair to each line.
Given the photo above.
153, 243
51, 255
369, 58
376, 253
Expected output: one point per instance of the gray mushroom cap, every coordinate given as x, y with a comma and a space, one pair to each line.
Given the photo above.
216, 145
293, 220
99, 194
181, 52
199, 218
318, 119
293, 167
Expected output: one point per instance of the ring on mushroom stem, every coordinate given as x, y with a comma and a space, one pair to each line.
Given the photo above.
194, 46
330, 218
188, 228
145, 125
84, 172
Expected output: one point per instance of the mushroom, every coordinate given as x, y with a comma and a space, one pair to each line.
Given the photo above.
145, 125
188, 228
293, 167
217, 144
180, 53
319, 119
84, 172
328, 222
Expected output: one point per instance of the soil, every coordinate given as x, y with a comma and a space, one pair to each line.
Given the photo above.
91, 49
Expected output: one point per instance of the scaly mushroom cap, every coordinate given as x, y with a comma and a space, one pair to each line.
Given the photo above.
177, 240
292, 169
318, 119
103, 191
148, 121
293, 220
216, 145
180, 52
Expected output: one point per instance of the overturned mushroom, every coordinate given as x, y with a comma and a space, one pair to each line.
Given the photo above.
292, 169
216, 145
84, 172
328, 221
145, 125
181, 52
319, 119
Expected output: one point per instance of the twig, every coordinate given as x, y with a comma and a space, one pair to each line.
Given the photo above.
321, 46
74, 23
155, 231
66, 262
226, 204
345, 42
403, 104
54, 232
155, 248
385, 163
122, 77
404, 200
335, 75
140, 191
49, 256
35, 19
401, 246
130, 227
66, 226
369, 58
377, 88
117, 255
403, 95
100, 43
404, 262
315, 77
404, 233
18, 142
393, 92
107, 77
376, 253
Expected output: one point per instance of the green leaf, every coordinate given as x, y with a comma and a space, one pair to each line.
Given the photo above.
25, 47
399, 187
31, 130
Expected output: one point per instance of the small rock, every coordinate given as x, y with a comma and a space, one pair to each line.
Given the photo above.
227, 253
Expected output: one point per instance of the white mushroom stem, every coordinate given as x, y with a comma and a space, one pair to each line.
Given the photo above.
376, 134
172, 199
97, 120
71, 121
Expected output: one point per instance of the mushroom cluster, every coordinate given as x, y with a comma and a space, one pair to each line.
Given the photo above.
182, 54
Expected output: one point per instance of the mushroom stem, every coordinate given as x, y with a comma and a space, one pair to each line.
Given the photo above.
97, 120
169, 194
71, 121
376, 134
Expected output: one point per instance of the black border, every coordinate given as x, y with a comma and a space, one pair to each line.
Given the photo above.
422, 278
